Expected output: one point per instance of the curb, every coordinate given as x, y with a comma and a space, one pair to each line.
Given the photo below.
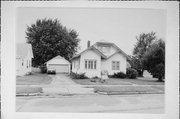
28, 94
126, 93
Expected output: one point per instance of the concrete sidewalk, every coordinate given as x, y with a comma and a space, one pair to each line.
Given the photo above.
63, 85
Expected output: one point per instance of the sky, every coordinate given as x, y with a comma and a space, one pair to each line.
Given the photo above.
120, 26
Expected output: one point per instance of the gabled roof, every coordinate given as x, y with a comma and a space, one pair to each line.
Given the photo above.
22, 50
115, 46
58, 57
99, 52
90, 48
117, 53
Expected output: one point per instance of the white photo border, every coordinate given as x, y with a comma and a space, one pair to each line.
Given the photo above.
8, 36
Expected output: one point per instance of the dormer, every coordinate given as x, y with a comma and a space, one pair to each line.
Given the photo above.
105, 47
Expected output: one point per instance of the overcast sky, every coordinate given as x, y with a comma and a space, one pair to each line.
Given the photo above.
120, 26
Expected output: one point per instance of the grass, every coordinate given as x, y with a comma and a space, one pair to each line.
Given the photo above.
28, 90
116, 81
33, 79
127, 89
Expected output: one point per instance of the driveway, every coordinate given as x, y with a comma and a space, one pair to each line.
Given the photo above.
63, 85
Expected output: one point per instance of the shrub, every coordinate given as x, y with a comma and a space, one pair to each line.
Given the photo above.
78, 76
118, 75
43, 69
95, 77
131, 73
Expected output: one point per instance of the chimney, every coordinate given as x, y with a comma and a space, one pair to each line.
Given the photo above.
88, 44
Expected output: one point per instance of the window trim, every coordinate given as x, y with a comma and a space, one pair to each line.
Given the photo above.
115, 65
90, 64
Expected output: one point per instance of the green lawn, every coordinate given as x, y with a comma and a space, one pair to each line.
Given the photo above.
33, 79
116, 81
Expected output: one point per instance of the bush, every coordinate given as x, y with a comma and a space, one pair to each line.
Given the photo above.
118, 75
131, 73
43, 69
78, 76
94, 79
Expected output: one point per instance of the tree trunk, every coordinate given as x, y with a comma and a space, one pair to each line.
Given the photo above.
140, 73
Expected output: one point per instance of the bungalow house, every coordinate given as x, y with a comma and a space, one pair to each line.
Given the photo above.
102, 56
24, 57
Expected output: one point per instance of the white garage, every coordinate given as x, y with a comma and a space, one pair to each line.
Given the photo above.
60, 64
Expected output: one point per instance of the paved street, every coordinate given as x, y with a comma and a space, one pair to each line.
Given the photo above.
146, 103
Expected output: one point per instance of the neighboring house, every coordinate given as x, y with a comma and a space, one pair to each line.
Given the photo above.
24, 57
102, 56
60, 64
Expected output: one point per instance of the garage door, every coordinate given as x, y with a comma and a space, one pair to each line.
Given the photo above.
60, 68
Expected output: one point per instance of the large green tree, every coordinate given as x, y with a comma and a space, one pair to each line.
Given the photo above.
144, 40
50, 38
154, 59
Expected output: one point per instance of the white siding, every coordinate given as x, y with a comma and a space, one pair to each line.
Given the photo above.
89, 55
107, 64
76, 65
55, 63
23, 69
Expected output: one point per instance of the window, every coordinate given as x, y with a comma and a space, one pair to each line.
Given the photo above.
90, 64
86, 64
94, 64
115, 65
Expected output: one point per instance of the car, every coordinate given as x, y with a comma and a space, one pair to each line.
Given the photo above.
51, 71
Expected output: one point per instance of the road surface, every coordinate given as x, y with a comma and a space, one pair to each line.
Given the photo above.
142, 103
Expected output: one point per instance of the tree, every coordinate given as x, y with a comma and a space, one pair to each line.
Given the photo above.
154, 59
136, 63
50, 38
144, 40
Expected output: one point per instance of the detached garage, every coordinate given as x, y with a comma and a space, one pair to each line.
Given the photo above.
58, 63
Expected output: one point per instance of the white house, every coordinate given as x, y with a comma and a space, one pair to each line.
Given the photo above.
24, 57
102, 56
60, 64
